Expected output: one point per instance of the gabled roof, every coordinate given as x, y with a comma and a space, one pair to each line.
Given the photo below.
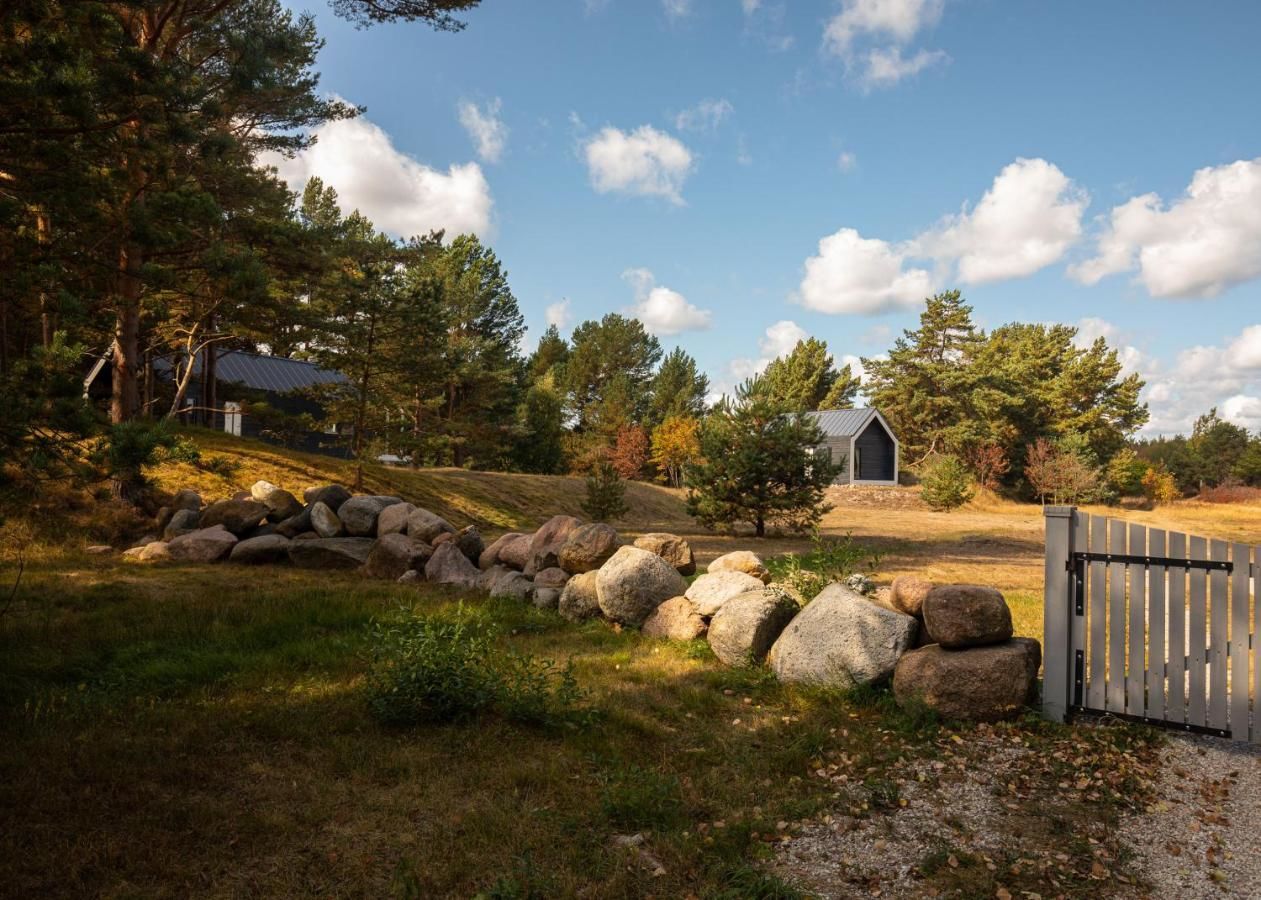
266, 373
844, 423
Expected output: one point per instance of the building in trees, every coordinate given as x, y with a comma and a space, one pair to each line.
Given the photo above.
861, 443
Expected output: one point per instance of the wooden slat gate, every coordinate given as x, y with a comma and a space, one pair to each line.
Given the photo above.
1150, 625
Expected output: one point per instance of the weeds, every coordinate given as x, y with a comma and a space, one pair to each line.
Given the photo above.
827, 560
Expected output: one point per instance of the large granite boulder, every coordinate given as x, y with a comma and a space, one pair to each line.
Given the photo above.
182, 521
907, 593
470, 542
486, 580
744, 561
393, 519
981, 684
394, 554
425, 526
675, 620
263, 550
449, 566
330, 553
154, 551
546, 544
186, 499
331, 495
633, 583
237, 516
966, 615
296, 524
203, 545
588, 547
490, 556
516, 552
324, 522
579, 599
842, 639
554, 578
280, 503
359, 514
744, 629
546, 598
670, 547
713, 589
513, 585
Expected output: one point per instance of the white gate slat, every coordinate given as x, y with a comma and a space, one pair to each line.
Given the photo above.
1239, 602
1256, 647
1177, 708
1135, 672
1116, 620
1096, 687
1196, 637
1156, 628
1219, 611
1077, 626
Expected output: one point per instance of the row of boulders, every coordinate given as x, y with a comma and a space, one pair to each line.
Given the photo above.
947, 646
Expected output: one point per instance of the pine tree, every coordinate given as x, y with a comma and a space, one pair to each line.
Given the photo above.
678, 389
806, 379
606, 494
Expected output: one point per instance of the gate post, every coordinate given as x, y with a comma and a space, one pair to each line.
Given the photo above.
1057, 614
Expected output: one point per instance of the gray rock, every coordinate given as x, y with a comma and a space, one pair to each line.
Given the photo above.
966, 615
154, 551
516, 552
263, 550
163, 518
182, 521
580, 600
331, 495
296, 524
710, 591
490, 556
281, 505
670, 547
554, 578
547, 542
470, 542
449, 566
359, 514
425, 526
237, 516
411, 576
744, 629
204, 545
186, 499
324, 521
487, 579
842, 639
980, 684
675, 620
546, 598
588, 547
513, 586
330, 553
633, 583
393, 519
741, 561
861, 584
395, 554
99, 549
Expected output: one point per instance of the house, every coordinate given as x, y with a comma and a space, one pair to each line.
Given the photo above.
863, 441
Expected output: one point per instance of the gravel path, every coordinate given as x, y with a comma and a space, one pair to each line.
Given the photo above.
1202, 836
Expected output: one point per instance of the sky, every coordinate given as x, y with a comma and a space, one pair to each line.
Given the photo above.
740, 174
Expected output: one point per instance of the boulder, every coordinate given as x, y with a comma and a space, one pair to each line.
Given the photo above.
182, 522
411, 576
263, 550
670, 547
486, 580
237, 516
588, 547
331, 495
579, 600
260, 531
359, 514
741, 561
393, 519
163, 518
330, 553
282, 505
186, 499
260, 489
449, 566
907, 594
425, 526
981, 684
553, 578
470, 542
490, 556
154, 551
546, 598
516, 552
204, 545
443, 538
861, 584
713, 589
842, 639
296, 524
324, 521
633, 583
675, 620
394, 554
547, 542
512, 585
742, 632
966, 615
98, 549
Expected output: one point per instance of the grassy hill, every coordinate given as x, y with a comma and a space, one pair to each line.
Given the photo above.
494, 501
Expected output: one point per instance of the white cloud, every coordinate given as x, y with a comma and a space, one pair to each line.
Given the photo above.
1206, 242
765, 21
750, 6
646, 162
847, 161
1027, 220
559, 314
1244, 351
487, 131
704, 116
853, 274
1227, 376
677, 9
663, 311
886, 66
1242, 409
399, 194
778, 340
870, 36
1092, 328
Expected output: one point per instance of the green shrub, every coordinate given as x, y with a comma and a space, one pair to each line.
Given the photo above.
223, 466
947, 484
827, 560
606, 494
182, 449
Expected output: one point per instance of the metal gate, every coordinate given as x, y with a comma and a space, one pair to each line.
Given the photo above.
1150, 625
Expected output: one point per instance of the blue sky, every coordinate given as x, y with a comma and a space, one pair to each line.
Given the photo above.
683, 161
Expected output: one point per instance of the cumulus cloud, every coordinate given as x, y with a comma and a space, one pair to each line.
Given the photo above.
1227, 376
559, 314
1091, 328
677, 9
778, 340
663, 311
1206, 242
644, 162
870, 36
484, 126
398, 193
854, 274
704, 116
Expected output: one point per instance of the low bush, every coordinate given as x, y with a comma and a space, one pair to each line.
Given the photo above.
1230, 493
827, 560
947, 484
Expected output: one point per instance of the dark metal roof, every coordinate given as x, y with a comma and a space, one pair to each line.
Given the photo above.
266, 373
842, 422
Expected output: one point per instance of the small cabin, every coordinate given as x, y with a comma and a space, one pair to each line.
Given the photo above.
863, 442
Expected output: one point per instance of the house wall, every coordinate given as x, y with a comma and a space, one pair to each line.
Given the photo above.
875, 454
840, 447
